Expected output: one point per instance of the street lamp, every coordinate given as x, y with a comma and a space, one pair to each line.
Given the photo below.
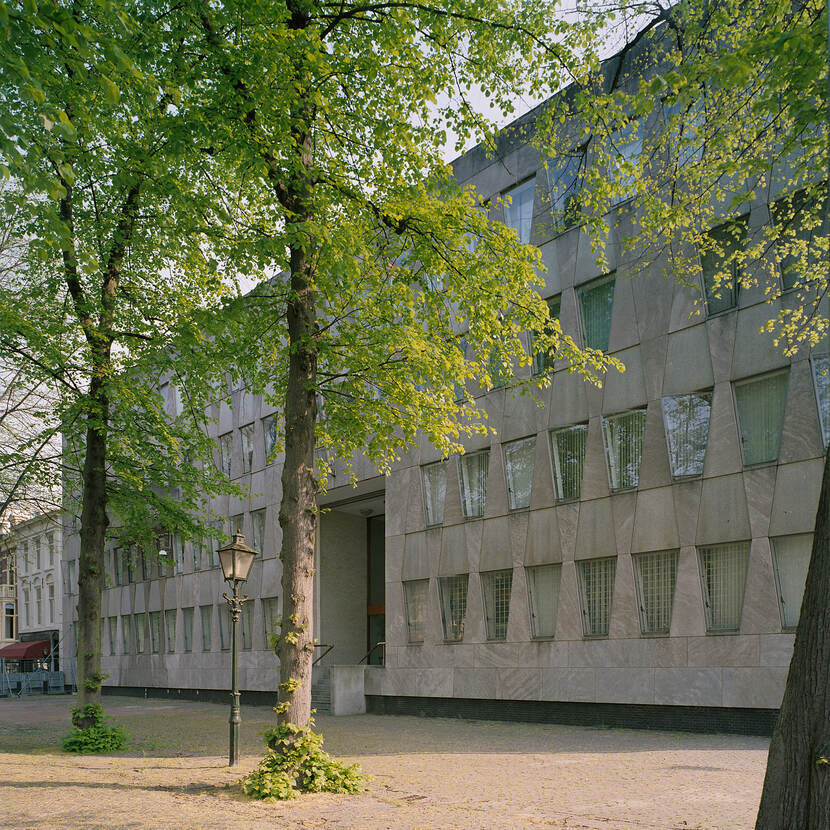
236, 560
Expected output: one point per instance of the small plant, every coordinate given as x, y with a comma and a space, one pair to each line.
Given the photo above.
295, 762
92, 732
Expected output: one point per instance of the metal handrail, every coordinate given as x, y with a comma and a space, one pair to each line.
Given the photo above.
382, 645
327, 646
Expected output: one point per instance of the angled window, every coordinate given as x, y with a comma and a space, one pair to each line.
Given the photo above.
543, 593
435, 491
656, 577
178, 553
518, 209
687, 430
206, 618
596, 303
145, 563
496, 587
270, 614
565, 180
821, 379
247, 434
140, 632
187, 628
720, 262
453, 591
126, 634
415, 594
567, 450
170, 629
226, 452
723, 577
518, 466
623, 436
269, 432
543, 360
113, 632
802, 226
155, 631
760, 404
626, 148
258, 530
596, 591
247, 624
792, 559
472, 471
236, 524
224, 627
197, 554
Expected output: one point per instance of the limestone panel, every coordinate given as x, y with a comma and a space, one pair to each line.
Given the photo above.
496, 502
543, 398
569, 400
586, 267
415, 515
495, 545
723, 452
625, 390
795, 501
452, 497
594, 471
623, 332
801, 433
473, 537
686, 496
777, 649
475, 683
496, 654
670, 652
755, 350
566, 254
543, 544
688, 687
519, 416
567, 516
624, 604
623, 507
762, 687
625, 685
394, 557
654, 467
271, 575
449, 655
517, 524
553, 277
549, 684
723, 650
592, 653
685, 308
653, 295
721, 331
687, 609
397, 631
434, 537
569, 612
493, 405
541, 493
761, 614
518, 626
759, 484
595, 534
655, 527
475, 630
654, 366
415, 560
688, 365
519, 684
723, 511
577, 684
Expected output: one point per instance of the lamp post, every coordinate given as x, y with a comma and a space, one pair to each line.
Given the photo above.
236, 560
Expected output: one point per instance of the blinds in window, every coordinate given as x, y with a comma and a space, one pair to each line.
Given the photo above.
497, 586
435, 491
415, 595
518, 463
453, 590
821, 378
543, 594
723, 577
567, 448
596, 588
623, 435
656, 577
760, 405
473, 472
792, 559
687, 430
596, 302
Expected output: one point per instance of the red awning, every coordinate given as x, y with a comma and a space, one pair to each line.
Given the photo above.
26, 651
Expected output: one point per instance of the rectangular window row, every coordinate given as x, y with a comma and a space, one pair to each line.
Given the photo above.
247, 456
36, 553
722, 569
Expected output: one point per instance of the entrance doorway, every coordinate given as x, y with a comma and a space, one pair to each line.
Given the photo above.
376, 588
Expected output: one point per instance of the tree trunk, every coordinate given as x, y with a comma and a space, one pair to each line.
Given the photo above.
796, 794
94, 523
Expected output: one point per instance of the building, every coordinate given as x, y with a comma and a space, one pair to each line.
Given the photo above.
631, 555
8, 598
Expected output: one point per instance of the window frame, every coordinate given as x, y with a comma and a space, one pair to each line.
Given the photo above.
742, 218
736, 384
436, 521
823, 423
528, 440
584, 288
464, 500
247, 437
636, 560
699, 393
542, 363
581, 564
495, 629
605, 420
556, 463
444, 583
424, 583
785, 625
708, 605
528, 184
563, 216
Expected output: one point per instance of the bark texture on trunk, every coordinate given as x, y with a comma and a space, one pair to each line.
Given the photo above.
796, 794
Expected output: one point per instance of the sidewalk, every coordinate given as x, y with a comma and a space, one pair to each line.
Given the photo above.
428, 773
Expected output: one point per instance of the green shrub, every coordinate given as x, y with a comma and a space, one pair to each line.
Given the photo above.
295, 762
92, 733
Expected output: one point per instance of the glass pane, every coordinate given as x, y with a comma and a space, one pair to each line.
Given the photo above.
225, 452
187, 628
473, 471
518, 463
270, 613
415, 594
626, 146
623, 435
113, 632
247, 433
720, 265
760, 406
723, 576
568, 453
224, 627
435, 491
206, 613
687, 430
126, 638
656, 578
596, 302
565, 182
543, 589
140, 632
269, 431
821, 376
170, 629
518, 209
543, 361
596, 588
792, 559
453, 605
800, 222
155, 631
258, 531
246, 620
496, 586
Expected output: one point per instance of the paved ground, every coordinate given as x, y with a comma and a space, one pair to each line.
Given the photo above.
428, 773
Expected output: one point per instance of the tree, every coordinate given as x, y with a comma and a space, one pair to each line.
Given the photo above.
104, 193
739, 98
335, 115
